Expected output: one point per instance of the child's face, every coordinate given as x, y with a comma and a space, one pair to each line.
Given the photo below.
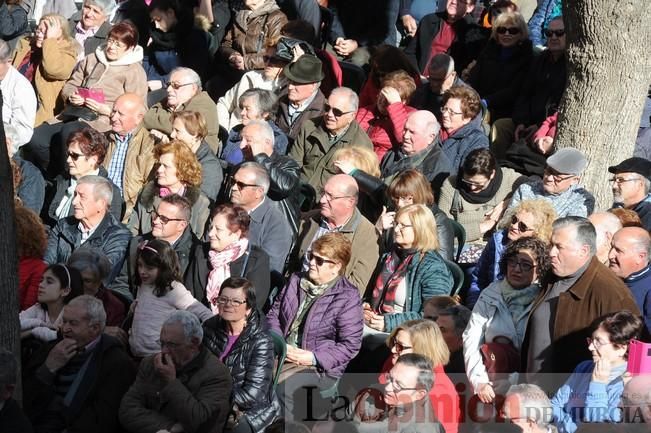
148, 274
50, 290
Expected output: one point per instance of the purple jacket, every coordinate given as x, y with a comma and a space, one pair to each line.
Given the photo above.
333, 326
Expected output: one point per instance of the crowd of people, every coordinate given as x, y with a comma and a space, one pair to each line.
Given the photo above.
311, 215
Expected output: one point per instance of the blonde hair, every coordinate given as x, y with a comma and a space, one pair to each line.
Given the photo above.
426, 340
363, 158
543, 213
514, 19
66, 35
424, 226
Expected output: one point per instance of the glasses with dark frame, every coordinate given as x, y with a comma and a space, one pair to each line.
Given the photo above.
155, 215
223, 300
509, 30
558, 33
176, 86
524, 266
318, 259
336, 111
395, 385
399, 346
522, 227
242, 185
75, 156
558, 177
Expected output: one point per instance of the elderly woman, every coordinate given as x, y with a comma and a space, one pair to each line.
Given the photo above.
592, 393
178, 172
190, 127
502, 310
459, 134
319, 313
238, 338
529, 218
479, 193
91, 24
227, 253
86, 152
502, 65
255, 104
269, 78
31, 242
424, 338
384, 121
412, 272
47, 60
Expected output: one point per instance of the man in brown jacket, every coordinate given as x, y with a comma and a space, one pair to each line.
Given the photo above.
130, 155
580, 290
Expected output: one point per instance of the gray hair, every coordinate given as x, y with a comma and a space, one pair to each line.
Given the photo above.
425, 378
12, 137
94, 309
189, 322
181, 203
441, 61
90, 259
534, 403
604, 222
106, 6
647, 185
265, 100
190, 74
260, 173
265, 130
353, 99
102, 189
5, 51
460, 317
8, 368
585, 231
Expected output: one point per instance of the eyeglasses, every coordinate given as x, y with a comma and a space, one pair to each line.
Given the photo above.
524, 266
318, 260
176, 86
399, 346
449, 111
395, 385
596, 343
336, 111
474, 184
329, 197
557, 177
242, 185
75, 156
509, 30
155, 215
169, 344
621, 180
223, 300
400, 226
274, 60
558, 33
115, 43
522, 227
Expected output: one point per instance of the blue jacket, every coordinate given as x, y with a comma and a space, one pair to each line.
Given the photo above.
487, 268
232, 152
581, 400
640, 285
466, 139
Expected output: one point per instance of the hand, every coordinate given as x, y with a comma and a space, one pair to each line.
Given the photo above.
237, 61
391, 95
486, 393
297, 52
299, 356
368, 313
410, 25
75, 99
154, 85
466, 72
344, 47
61, 354
387, 218
52, 29
345, 166
102, 109
601, 371
544, 145
165, 367
377, 322
496, 213
118, 333
486, 225
159, 137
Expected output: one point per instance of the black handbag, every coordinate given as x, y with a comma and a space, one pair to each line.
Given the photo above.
74, 112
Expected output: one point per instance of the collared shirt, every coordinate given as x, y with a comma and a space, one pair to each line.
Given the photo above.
86, 233
324, 228
116, 166
82, 34
333, 138
295, 111
259, 204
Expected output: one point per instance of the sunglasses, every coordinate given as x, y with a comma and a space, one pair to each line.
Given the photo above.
399, 346
176, 86
242, 185
522, 227
318, 260
557, 33
163, 218
509, 30
75, 156
336, 111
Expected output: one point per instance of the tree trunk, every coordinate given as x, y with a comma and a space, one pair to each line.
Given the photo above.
9, 324
609, 71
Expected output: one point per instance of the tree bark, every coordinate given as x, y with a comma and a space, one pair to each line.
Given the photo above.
9, 324
609, 71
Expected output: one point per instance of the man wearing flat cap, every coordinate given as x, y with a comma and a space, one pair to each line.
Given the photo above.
631, 184
560, 185
303, 100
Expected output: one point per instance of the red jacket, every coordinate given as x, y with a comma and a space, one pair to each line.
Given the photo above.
547, 128
384, 131
30, 272
443, 395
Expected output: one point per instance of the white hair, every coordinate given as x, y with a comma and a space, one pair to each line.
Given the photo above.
189, 322
94, 309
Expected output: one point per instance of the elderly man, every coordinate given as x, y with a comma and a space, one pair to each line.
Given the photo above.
184, 93
405, 404
18, 98
304, 100
184, 388
320, 138
528, 407
606, 224
284, 173
91, 226
90, 25
75, 384
452, 322
12, 418
629, 260
631, 183
338, 213
268, 228
169, 223
579, 291
560, 185
129, 158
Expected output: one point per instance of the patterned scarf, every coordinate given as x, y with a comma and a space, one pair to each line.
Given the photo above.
220, 262
164, 191
392, 273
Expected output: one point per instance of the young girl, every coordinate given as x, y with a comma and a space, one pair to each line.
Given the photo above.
159, 293
59, 285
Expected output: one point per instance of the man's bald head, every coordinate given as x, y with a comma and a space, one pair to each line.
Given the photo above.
128, 111
630, 251
636, 399
339, 198
606, 224
420, 130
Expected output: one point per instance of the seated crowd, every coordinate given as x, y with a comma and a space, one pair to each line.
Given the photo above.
215, 235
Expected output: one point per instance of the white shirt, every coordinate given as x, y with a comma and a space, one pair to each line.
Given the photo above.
19, 106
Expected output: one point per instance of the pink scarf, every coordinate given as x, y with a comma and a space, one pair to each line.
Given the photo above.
220, 262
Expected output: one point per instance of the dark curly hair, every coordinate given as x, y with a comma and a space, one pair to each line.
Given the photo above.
159, 254
90, 142
621, 327
31, 236
531, 243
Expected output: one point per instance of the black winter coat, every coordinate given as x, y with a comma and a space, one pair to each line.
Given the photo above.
251, 362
